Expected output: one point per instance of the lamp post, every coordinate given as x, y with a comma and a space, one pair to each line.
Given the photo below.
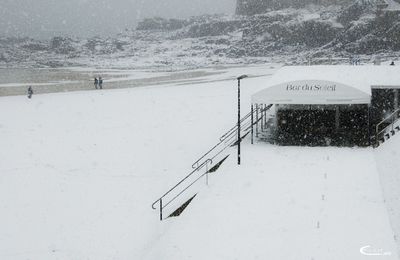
238, 123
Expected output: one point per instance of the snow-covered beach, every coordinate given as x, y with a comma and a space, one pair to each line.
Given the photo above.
15, 81
79, 171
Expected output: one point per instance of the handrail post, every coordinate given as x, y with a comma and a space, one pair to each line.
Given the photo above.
264, 113
265, 116
262, 117
161, 208
369, 125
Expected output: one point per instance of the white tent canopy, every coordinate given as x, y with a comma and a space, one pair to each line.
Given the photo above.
327, 84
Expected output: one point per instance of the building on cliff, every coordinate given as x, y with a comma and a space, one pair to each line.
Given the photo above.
250, 7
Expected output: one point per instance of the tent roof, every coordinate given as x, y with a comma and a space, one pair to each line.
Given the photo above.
327, 84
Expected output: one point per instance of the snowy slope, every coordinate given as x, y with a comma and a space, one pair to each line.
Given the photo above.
285, 203
387, 157
79, 171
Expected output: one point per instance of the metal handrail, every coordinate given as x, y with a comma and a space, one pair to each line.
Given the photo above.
386, 119
228, 139
390, 118
196, 180
234, 128
223, 138
184, 179
195, 164
229, 133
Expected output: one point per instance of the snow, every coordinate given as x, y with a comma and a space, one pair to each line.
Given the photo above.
79, 171
10, 85
285, 203
387, 157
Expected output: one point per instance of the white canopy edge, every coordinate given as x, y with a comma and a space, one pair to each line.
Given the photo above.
311, 92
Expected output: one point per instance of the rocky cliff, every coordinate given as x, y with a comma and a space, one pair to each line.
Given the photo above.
316, 30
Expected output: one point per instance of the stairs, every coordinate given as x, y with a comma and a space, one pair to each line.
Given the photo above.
387, 128
389, 134
176, 199
267, 133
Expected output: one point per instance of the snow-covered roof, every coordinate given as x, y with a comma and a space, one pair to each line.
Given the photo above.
340, 84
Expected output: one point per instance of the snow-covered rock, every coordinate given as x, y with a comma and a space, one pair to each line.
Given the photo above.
282, 34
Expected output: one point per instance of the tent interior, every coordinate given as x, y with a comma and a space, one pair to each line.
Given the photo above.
322, 125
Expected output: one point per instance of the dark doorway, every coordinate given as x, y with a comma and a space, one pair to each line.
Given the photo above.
322, 125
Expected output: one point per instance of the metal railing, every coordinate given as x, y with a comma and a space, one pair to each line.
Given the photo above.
160, 200
387, 123
225, 141
245, 123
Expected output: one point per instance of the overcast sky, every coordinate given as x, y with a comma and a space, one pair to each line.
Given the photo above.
46, 18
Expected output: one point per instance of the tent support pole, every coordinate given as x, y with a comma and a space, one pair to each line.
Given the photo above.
369, 125
265, 116
257, 120
337, 118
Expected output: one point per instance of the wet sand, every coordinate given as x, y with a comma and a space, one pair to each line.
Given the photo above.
16, 81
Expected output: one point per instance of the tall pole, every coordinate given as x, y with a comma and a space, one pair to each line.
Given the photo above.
239, 141
238, 123
252, 124
161, 208
369, 125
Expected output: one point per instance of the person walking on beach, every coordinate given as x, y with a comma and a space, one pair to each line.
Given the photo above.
30, 92
100, 83
96, 83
